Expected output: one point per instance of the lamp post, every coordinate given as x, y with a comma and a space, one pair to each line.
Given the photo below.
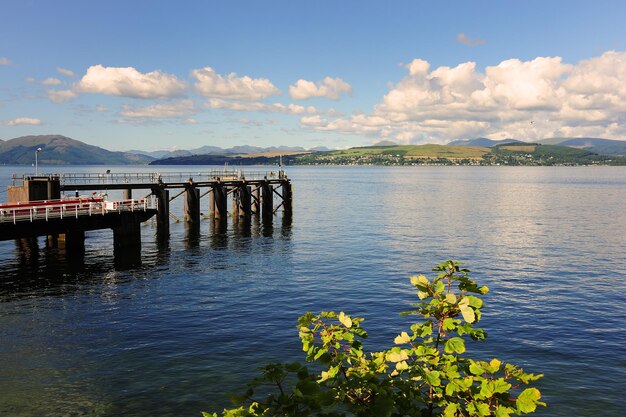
37, 161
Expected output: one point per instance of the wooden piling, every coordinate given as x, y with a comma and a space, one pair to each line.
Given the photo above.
127, 242
267, 201
163, 211
192, 205
245, 199
287, 198
221, 204
236, 203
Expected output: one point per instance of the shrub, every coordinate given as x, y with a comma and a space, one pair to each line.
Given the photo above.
425, 373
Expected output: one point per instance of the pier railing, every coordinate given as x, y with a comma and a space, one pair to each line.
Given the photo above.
59, 209
154, 177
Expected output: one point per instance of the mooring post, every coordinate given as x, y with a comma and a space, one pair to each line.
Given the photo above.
236, 202
245, 199
192, 205
212, 203
257, 200
163, 211
127, 241
267, 211
221, 204
127, 194
287, 197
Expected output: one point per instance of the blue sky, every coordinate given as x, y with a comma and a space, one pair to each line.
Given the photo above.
164, 74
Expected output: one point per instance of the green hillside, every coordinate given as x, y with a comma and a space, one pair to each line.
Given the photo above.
61, 150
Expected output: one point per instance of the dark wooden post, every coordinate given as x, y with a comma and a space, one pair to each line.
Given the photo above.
267, 211
245, 199
163, 211
192, 205
75, 241
257, 200
287, 197
127, 242
236, 201
221, 204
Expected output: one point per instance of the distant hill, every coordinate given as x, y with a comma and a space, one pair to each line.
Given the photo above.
216, 150
597, 145
487, 143
385, 143
61, 150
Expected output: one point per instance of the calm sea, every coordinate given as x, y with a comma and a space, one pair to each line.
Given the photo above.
174, 336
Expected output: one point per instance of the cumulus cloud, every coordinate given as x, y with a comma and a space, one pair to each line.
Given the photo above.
445, 103
465, 40
66, 72
128, 82
329, 87
211, 84
24, 121
160, 111
4, 61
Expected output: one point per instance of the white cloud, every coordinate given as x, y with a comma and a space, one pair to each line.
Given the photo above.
101, 109
465, 40
66, 72
47, 81
257, 106
61, 96
211, 84
128, 82
4, 61
587, 98
160, 111
331, 88
24, 121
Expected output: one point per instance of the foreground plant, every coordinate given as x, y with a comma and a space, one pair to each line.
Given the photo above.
424, 374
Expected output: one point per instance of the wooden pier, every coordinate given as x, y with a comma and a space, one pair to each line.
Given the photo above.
36, 206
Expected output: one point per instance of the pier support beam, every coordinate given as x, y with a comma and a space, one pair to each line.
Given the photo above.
236, 203
163, 211
192, 205
256, 205
75, 242
287, 198
220, 198
267, 201
245, 199
212, 204
127, 242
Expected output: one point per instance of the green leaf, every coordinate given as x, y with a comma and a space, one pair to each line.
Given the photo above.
419, 280
449, 324
397, 355
383, 406
527, 400
402, 339
466, 310
503, 411
432, 377
451, 410
455, 345
345, 320
451, 298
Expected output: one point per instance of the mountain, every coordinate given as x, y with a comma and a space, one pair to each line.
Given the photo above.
597, 145
216, 150
487, 143
61, 150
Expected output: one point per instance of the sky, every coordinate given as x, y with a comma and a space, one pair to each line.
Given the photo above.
155, 75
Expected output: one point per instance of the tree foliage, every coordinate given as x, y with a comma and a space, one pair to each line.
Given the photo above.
425, 373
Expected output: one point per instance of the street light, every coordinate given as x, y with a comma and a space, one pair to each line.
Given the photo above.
37, 161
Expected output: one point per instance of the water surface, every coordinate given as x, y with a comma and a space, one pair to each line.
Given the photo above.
170, 338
